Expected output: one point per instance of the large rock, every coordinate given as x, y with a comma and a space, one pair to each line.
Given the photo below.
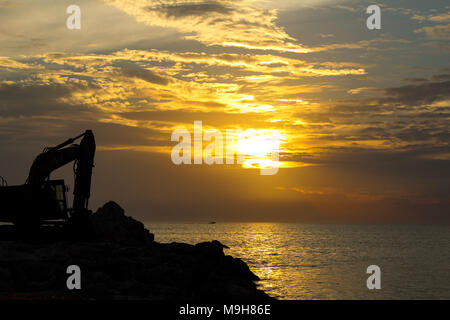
111, 224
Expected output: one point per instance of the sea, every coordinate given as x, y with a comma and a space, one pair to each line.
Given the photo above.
330, 261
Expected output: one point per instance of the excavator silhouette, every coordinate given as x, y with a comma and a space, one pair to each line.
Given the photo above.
43, 201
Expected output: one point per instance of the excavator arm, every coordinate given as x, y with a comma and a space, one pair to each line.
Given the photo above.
56, 157
83, 172
41, 199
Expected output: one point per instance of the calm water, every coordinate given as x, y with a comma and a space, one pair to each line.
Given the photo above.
302, 261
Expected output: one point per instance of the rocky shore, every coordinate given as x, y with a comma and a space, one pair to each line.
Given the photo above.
123, 262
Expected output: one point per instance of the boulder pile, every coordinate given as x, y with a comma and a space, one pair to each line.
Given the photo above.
124, 262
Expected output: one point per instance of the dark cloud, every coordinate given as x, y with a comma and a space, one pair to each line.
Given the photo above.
48, 132
374, 133
420, 94
209, 104
117, 135
441, 77
191, 9
275, 65
351, 108
28, 100
415, 79
144, 74
214, 118
401, 114
414, 134
413, 166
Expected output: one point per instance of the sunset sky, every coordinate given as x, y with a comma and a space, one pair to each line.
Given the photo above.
361, 116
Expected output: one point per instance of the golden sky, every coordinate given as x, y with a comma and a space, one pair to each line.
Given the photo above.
361, 116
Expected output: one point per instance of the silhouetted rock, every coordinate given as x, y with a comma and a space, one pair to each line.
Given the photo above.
111, 224
125, 263
219, 244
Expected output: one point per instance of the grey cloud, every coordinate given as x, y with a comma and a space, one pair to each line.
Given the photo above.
415, 79
419, 94
191, 9
419, 134
28, 100
408, 162
144, 74
214, 118
26, 130
441, 77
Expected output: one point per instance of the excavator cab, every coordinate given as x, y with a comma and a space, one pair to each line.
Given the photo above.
31, 205
56, 201
59, 190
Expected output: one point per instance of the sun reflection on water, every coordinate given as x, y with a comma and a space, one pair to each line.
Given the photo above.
304, 261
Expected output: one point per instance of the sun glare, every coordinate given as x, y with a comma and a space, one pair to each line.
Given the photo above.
258, 147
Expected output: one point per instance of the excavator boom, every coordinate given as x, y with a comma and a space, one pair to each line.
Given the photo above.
56, 157
83, 172
41, 198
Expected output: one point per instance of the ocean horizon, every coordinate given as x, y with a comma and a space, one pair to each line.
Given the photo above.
329, 261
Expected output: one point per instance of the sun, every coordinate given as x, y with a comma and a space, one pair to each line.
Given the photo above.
259, 147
